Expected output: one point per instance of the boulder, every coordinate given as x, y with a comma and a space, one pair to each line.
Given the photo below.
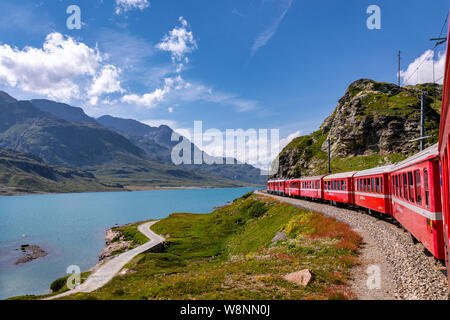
280, 236
301, 278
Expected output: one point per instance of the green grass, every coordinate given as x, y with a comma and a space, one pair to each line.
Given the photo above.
131, 233
228, 254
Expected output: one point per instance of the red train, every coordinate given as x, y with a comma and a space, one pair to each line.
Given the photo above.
444, 158
415, 191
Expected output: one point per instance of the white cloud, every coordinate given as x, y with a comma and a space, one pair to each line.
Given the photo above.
158, 95
127, 5
421, 69
107, 81
267, 34
199, 92
55, 71
170, 109
179, 42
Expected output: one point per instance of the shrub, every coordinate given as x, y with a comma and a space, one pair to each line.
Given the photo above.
58, 284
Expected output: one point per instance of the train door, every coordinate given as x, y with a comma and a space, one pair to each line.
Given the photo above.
445, 191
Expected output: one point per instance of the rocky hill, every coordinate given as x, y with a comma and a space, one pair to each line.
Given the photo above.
372, 125
27, 173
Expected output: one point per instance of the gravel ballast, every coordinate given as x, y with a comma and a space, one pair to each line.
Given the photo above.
408, 271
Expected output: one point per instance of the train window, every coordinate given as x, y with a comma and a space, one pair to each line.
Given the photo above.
411, 186
377, 185
405, 187
418, 187
425, 180
396, 185
381, 185
372, 185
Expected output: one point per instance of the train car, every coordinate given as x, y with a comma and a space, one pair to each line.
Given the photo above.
270, 186
311, 187
293, 188
371, 189
280, 187
416, 198
444, 149
339, 187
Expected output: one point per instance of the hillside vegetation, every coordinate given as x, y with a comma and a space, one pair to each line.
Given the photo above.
27, 173
229, 254
371, 126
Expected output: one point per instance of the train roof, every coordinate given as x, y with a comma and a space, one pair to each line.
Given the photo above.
311, 178
427, 154
342, 175
376, 170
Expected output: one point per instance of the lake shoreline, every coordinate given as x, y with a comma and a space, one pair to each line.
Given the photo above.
125, 189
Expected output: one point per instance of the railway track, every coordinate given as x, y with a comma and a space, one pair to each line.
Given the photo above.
407, 270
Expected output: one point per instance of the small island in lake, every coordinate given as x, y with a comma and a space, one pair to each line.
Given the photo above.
31, 252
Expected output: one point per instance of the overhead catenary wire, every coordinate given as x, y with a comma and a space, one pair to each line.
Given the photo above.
434, 52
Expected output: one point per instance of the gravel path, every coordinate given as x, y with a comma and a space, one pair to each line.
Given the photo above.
407, 270
107, 271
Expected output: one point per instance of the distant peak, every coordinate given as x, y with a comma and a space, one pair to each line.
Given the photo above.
5, 97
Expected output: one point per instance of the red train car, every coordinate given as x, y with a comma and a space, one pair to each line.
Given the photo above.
444, 149
312, 187
339, 187
293, 188
275, 186
372, 189
270, 186
416, 198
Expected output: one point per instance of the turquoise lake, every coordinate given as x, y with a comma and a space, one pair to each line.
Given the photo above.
71, 228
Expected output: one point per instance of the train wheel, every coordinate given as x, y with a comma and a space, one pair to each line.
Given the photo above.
413, 239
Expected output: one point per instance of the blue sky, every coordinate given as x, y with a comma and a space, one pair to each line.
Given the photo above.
245, 64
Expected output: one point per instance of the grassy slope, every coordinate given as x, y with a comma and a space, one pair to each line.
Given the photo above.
24, 173
141, 174
227, 255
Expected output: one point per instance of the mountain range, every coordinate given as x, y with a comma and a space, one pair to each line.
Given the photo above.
114, 152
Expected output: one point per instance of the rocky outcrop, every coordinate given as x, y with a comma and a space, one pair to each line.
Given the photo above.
371, 119
114, 244
31, 252
302, 278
